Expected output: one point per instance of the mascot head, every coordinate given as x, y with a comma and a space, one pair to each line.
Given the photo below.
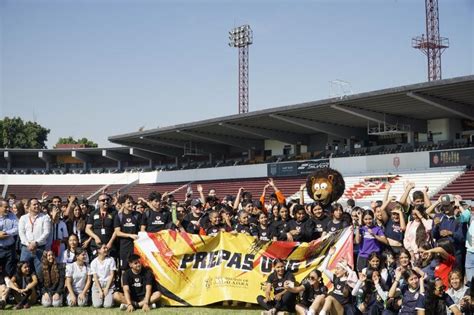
325, 185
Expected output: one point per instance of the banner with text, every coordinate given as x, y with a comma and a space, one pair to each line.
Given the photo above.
295, 168
199, 270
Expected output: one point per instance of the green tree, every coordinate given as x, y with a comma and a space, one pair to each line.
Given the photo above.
70, 140
15, 133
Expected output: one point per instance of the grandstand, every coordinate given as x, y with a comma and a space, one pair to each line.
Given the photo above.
419, 133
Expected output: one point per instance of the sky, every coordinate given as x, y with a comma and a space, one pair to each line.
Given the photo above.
98, 68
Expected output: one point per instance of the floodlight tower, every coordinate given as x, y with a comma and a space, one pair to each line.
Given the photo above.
241, 37
431, 43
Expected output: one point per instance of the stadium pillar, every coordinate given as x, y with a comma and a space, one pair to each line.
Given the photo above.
210, 159
410, 137
8, 158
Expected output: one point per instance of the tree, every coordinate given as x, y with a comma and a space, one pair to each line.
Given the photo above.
15, 133
70, 140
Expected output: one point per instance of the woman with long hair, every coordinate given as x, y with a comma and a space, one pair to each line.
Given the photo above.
53, 281
418, 231
23, 286
70, 252
76, 224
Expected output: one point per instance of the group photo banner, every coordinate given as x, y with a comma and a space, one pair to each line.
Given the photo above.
197, 270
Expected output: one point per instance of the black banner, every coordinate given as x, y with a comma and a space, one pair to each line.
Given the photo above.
452, 158
295, 168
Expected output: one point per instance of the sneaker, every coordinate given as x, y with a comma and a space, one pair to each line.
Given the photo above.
153, 305
264, 313
2, 304
248, 305
283, 313
26, 306
235, 303
123, 307
225, 303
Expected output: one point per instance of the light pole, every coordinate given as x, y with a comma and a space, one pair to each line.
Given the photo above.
241, 37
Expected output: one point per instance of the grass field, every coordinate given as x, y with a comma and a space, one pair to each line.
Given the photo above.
39, 310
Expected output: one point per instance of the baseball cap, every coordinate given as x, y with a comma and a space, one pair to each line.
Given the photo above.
196, 203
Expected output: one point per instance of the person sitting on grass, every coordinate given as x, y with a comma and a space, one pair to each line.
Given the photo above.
283, 299
23, 285
139, 288
52, 280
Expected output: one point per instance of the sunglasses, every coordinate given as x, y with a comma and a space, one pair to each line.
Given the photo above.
104, 200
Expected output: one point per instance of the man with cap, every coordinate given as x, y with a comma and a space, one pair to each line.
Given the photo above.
192, 221
446, 226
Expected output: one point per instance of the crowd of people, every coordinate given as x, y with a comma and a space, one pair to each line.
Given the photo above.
413, 255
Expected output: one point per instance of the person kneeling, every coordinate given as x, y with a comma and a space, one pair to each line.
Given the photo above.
139, 287
78, 281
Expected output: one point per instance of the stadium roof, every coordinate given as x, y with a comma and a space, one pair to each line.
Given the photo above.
347, 117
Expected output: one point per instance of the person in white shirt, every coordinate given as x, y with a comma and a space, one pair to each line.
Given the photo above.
78, 280
103, 270
34, 229
58, 237
69, 254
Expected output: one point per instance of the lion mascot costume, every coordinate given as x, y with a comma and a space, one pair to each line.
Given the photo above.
326, 185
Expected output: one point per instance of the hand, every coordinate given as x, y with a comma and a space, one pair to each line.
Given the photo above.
130, 308
375, 278
142, 200
370, 231
270, 182
97, 240
71, 198
265, 187
425, 189
86, 243
362, 277
241, 189
145, 307
278, 297
398, 273
44, 196
81, 296
199, 188
133, 236
32, 246
436, 220
332, 250
73, 299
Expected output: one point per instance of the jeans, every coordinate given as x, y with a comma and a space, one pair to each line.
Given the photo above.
8, 259
33, 258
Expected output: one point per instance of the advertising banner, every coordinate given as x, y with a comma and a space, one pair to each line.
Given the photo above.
452, 158
295, 168
196, 270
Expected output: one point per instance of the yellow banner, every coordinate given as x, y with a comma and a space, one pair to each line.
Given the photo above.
199, 270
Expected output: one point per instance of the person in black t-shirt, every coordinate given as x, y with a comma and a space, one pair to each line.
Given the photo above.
126, 224
280, 226
100, 225
243, 226
283, 300
262, 231
313, 293
154, 219
191, 221
139, 287
337, 223
320, 220
301, 229
215, 225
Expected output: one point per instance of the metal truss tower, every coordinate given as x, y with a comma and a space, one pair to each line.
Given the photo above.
431, 43
241, 37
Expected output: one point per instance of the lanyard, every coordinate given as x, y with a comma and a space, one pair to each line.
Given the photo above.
102, 218
32, 223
